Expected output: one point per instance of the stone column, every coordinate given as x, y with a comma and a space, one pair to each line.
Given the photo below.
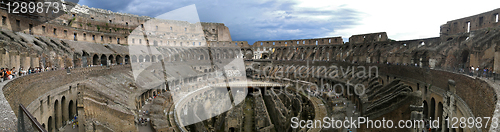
25, 61
496, 63
14, 59
4, 58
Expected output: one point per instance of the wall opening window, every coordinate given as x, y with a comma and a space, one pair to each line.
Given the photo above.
93, 37
84, 36
4, 20
496, 17
142, 25
316, 42
133, 41
74, 36
43, 29
170, 28
110, 21
480, 21
303, 42
118, 40
140, 41
199, 43
261, 43
55, 31
329, 40
30, 28
18, 23
102, 38
468, 26
66, 32
194, 43
185, 29
274, 43
156, 27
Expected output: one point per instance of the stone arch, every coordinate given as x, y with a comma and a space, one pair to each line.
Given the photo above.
134, 59
50, 124
56, 114
119, 60
141, 58
160, 58
64, 109
71, 109
127, 59
248, 54
95, 60
432, 109
426, 109
85, 58
147, 58
111, 59
153, 58
440, 113
104, 60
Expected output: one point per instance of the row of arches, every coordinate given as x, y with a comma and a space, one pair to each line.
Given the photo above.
63, 110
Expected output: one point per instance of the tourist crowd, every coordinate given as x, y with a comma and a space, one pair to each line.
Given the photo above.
8, 74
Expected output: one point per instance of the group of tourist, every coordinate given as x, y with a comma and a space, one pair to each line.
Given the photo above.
480, 72
8, 74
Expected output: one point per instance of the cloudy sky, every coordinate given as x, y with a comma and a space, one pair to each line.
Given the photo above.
253, 20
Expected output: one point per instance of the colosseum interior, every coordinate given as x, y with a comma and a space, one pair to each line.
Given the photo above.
107, 71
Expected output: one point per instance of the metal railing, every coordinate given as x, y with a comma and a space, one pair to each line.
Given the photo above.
29, 125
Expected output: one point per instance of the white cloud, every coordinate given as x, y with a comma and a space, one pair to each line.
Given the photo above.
296, 19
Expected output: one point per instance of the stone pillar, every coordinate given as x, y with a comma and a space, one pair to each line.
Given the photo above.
14, 59
4, 58
25, 61
496, 63
35, 61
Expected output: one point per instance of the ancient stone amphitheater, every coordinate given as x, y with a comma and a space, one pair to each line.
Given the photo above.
107, 68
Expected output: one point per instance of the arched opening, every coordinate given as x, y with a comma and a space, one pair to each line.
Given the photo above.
160, 58
264, 56
95, 60
148, 59
85, 56
134, 59
127, 59
43, 125
425, 112
440, 114
56, 114
231, 129
201, 57
71, 109
418, 87
50, 124
153, 58
104, 60
63, 109
432, 109
141, 58
111, 60
119, 60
